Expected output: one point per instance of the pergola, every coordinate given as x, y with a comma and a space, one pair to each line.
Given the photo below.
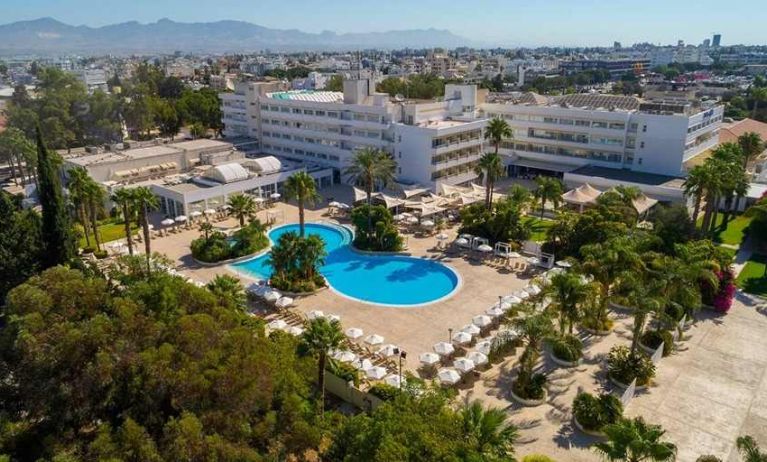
581, 196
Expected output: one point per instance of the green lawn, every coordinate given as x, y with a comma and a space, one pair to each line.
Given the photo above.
108, 232
753, 278
735, 231
539, 227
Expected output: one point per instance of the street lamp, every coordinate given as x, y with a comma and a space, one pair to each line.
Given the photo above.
449, 335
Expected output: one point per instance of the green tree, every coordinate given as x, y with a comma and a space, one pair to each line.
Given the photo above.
301, 187
758, 95
549, 190
335, 83
490, 168
19, 152
21, 244
78, 192
635, 441
751, 145
228, 291
56, 230
749, 450
321, 336
145, 201
370, 168
243, 206
125, 199
95, 196
695, 185
487, 433
568, 293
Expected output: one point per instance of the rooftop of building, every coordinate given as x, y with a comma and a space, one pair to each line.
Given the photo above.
630, 176
316, 96
84, 158
592, 101
730, 132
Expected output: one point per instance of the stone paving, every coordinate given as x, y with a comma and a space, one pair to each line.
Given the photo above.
710, 391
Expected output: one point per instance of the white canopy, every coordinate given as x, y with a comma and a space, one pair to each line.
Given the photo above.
294, 330
481, 320
359, 195
375, 373
429, 359
195, 214
363, 364
470, 329
583, 194
167, 222
452, 191
477, 357
283, 302
484, 346
272, 296
412, 190
345, 356
390, 201
354, 333
443, 348
464, 364
181, 218
277, 324
374, 339
388, 350
448, 376
461, 338
315, 314
394, 380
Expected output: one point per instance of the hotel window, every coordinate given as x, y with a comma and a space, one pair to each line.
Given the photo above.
333, 114
284, 109
550, 120
582, 123
319, 113
641, 145
296, 111
599, 125
308, 112
644, 130
617, 126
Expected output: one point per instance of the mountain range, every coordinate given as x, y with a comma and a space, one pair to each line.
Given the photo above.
47, 36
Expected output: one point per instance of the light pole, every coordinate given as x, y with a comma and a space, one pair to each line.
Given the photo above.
449, 335
500, 301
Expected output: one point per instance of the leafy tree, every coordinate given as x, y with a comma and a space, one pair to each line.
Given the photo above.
301, 187
382, 235
56, 231
94, 197
165, 117
21, 244
125, 199
295, 260
751, 145
533, 329
672, 224
487, 433
321, 336
335, 83
502, 223
19, 152
371, 168
78, 190
549, 190
698, 179
750, 451
635, 441
243, 206
228, 291
145, 201
568, 293
489, 167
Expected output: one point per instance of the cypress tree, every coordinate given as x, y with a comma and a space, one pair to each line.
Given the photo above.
56, 231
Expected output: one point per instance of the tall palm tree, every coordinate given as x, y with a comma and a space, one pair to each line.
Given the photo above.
695, 186
301, 187
750, 451
635, 441
489, 168
713, 188
568, 292
321, 336
759, 95
751, 145
312, 255
228, 291
549, 189
488, 434
95, 196
243, 207
370, 168
124, 199
78, 190
498, 130
145, 201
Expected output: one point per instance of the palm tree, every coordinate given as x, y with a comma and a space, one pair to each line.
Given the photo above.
549, 189
144, 200
206, 228
751, 145
695, 186
301, 187
243, 207
635, 441
321, 336
370, 168
568, 293
312, 255
228, 291
498, 130
94, 196
78, 190
124, 199
758, 95
489, 167
489, 435
750, 451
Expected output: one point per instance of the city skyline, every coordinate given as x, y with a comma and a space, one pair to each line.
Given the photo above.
488, 23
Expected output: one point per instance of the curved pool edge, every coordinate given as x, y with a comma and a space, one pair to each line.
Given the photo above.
329, 285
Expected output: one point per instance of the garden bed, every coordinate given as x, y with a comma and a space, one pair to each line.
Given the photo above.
529, 402
580, 428
562, 362
624, 386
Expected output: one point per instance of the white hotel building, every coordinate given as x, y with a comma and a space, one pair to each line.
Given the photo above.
603, 139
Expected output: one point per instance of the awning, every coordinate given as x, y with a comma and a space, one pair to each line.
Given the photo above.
452, 191
360, 195
584, 194
643, 203
411, 190
391, 202
541, 165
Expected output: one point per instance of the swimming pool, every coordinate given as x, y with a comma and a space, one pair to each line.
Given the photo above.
379, 279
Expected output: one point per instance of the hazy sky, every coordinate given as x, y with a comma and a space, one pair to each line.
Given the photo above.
502, 22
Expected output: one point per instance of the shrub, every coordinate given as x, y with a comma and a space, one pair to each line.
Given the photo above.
530, 388
87, 250
708, 458
675, 311
625, 367
537, 458
723, 299
101, 254
211, 250
593, 412
216, 247
567, 348
597, 325
653, 339
382, 235
344, 371
384, 391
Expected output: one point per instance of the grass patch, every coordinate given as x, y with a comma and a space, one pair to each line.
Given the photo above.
538, 226
109, 231
735, 231
753, 278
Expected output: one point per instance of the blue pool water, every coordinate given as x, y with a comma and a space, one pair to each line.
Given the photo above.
381, 279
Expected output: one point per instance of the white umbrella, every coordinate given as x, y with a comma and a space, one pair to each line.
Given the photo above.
484, 347
180, 218
564, 264
394, 380
209, 212
226, 207
277, 324
354, 333
272, 296
315, 314
259, 200
195, 214
481, 320
294, 330
167, 222
448, 376
334, 204
443, 348
462, 242
524, 295
464, 364
512, 299
484, 248
461, 338
533, 290
374, 339
388, 350
375, 373
333, 317
406, 214
442, 237
412, 220
363, 364
283, 302
495, 312
344, 206
427, 224
150, 226
275, 195
470, 329
398, 217
535, 261
345, 356
429, 359
477, 357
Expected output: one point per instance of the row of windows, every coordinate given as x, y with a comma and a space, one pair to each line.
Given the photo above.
562, 121
558, 151
704, 123
455, 155
455, 139
358, 116
300, 152
457, 170
323, 128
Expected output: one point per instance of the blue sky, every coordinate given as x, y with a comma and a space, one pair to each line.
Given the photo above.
509, 22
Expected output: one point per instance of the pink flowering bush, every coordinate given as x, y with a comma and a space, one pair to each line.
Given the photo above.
722, 300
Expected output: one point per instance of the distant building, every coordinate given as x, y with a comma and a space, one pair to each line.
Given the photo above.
617, 67
717, 40
94, 79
